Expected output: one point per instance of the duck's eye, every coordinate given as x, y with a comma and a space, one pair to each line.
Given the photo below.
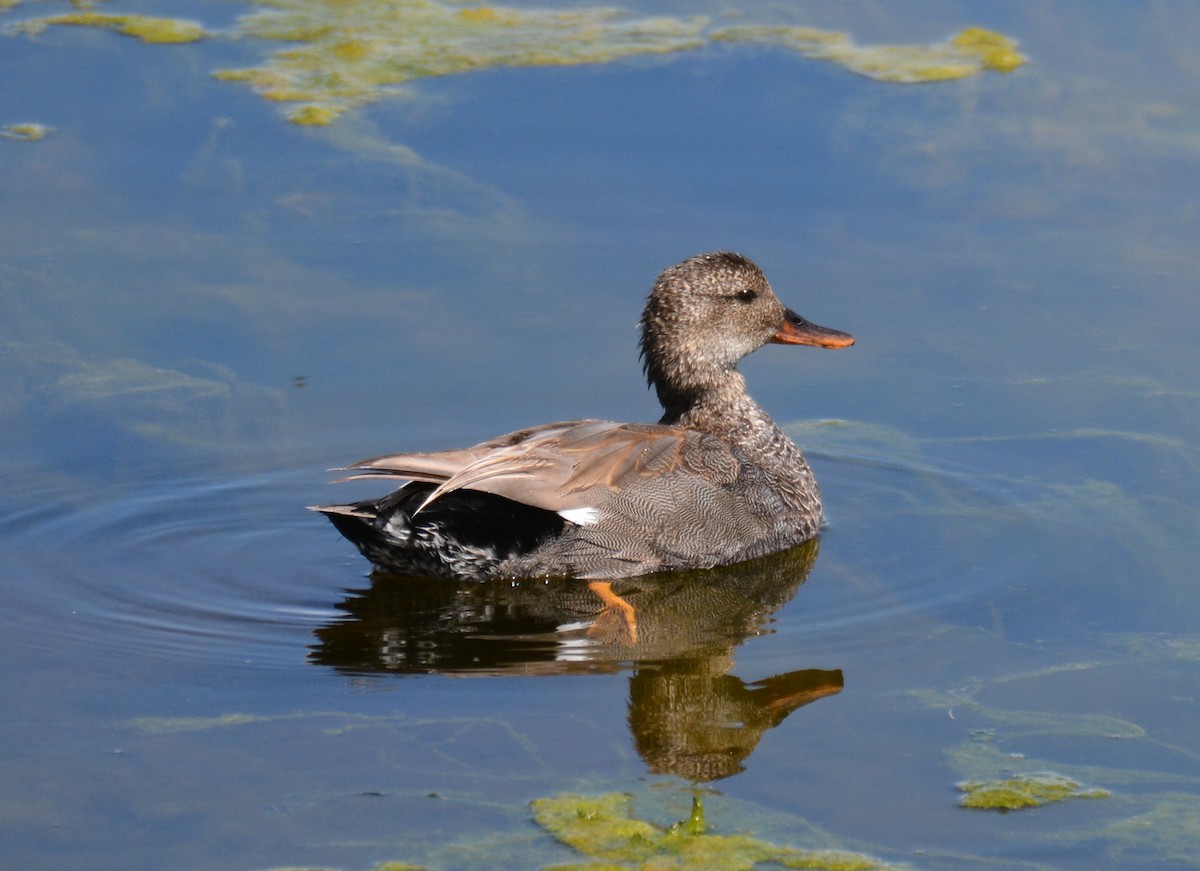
745, 295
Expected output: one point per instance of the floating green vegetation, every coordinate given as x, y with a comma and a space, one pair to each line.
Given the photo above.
147, 28
603, 828
1168, 831
352, 52
1153, 820
969, 53
348, 53
28, 132
995, 50
171, 725
1034, 722
382, 866
99, 399
1030, 790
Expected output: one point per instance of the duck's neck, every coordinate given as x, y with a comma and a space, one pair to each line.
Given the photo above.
723, 408
709, 405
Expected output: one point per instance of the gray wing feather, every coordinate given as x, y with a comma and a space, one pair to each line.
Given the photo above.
567, 466
437, 466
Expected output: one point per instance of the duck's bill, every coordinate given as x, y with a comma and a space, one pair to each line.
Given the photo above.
797, 331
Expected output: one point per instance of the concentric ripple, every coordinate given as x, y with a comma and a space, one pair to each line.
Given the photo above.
230, 571
914, 528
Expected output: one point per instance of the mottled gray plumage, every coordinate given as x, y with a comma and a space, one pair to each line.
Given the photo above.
716, 481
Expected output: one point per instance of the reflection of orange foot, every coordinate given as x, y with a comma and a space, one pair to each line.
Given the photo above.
618, 620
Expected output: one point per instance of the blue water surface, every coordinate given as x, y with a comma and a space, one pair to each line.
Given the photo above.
203, 308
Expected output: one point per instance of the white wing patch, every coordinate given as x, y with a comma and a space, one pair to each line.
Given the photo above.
585, 516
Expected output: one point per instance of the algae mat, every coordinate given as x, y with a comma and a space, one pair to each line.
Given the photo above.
340, 55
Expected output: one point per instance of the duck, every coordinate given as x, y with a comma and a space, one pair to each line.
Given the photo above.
715, 482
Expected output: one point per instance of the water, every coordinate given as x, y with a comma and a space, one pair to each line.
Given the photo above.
203, 308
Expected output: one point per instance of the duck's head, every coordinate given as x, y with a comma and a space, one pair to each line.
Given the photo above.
705, 314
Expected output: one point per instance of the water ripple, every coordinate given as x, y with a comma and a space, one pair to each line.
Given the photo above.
225, 572
915, 528
233, 571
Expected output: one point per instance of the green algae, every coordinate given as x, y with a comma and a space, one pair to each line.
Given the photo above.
995, 50
1021, 723
603, 827
1025, 791
26, 132
353, 52
342, 54
969, 53
616, 830
1141, 820
98, 398
173, 725
1169, 831
147, 28
125, 378
348, 54
314, 115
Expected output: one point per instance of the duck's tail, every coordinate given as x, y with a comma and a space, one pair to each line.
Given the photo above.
356, 522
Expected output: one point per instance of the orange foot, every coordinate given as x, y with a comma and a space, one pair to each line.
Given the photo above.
618, 618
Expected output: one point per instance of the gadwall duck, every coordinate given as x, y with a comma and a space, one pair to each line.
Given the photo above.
714, 482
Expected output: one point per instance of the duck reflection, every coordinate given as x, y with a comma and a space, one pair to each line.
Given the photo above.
689, 715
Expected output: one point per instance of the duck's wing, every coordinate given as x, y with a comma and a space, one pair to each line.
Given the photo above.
436, 467
572, 469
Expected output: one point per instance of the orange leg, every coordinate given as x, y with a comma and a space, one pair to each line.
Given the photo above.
614, 605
